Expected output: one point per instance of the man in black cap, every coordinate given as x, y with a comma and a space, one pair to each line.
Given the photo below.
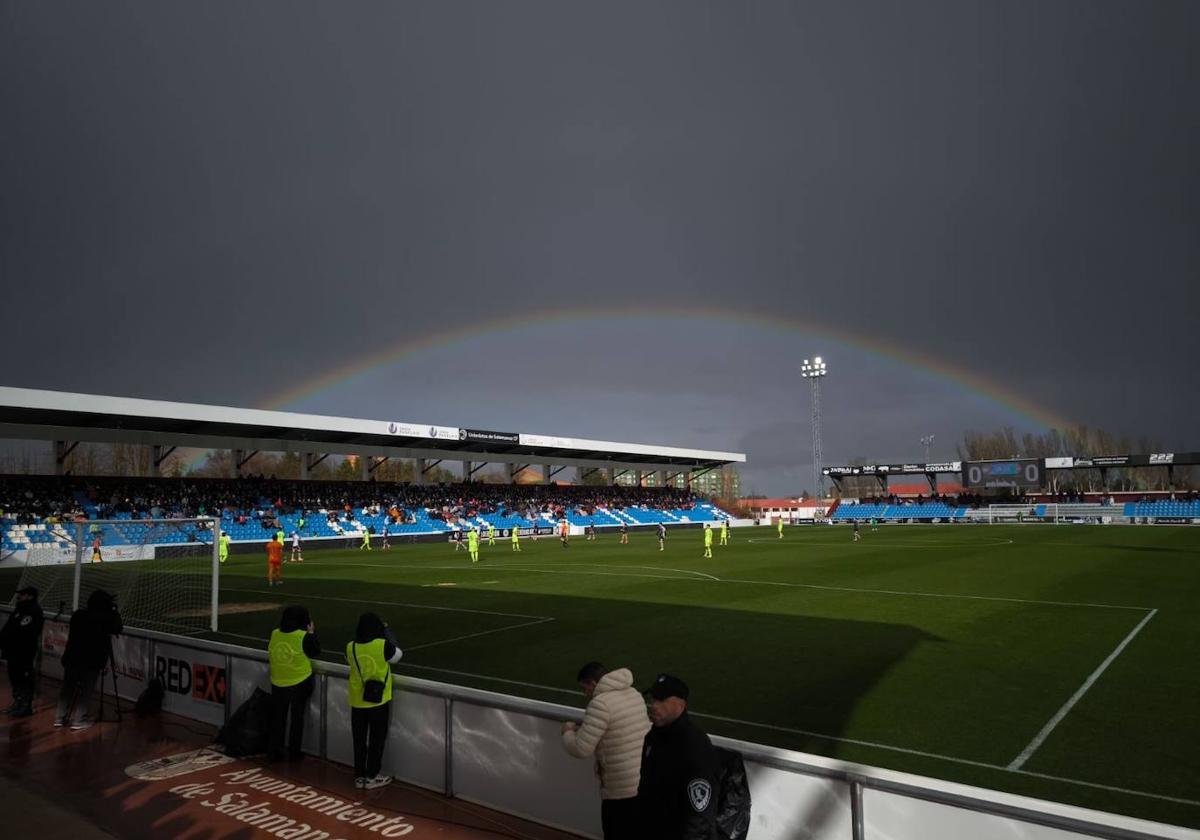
20, 640
678, 789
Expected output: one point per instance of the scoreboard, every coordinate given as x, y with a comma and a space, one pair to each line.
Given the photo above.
1019, 473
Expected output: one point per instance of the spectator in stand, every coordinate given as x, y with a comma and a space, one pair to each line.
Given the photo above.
290, 652
613, 729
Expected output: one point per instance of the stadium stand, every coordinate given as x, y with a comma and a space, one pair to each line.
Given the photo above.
925, 510
43, 510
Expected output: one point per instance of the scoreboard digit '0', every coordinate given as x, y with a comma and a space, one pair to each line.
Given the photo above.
1020, 473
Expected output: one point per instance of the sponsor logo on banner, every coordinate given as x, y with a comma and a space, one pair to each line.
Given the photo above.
201, 681
913, 468
545, 440
1082, 462
489, 436
423, 431
195, 681
1111, 461
1059, 463
1162, 458
944, 467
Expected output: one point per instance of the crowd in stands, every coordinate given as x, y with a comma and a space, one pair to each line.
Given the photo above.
31, 499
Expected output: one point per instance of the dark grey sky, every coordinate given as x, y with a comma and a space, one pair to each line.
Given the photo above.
219, 202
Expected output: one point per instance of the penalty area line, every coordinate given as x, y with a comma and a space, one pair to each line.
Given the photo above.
1038, 739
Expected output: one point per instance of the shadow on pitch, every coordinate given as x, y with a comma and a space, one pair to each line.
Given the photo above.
788, 680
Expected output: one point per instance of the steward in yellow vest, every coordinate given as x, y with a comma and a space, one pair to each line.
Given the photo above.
290, 652
370, 657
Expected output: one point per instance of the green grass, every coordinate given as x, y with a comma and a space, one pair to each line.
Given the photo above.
939, 650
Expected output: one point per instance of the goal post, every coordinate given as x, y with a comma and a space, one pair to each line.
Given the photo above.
163, 573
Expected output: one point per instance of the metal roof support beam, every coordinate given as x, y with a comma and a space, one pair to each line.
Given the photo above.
549, 472
472, 467
162, 453
308, 460
158, 454
702, 472
241, 458
514, 470
430, 465
584, 473
932, 482
62, 449
373, 465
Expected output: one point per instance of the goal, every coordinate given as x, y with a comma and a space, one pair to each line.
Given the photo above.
998, 514
163, 573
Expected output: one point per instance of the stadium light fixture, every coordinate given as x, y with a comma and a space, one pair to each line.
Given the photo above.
814, 371
928, 442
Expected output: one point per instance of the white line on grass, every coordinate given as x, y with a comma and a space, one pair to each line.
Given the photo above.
393, 604
995, 541
1075, 698
480, 633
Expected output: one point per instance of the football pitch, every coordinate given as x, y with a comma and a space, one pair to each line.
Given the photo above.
1054, 661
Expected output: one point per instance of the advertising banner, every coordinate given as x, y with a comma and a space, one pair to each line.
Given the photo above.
195, 682
487, 436
128, 657
546, 440
418, 430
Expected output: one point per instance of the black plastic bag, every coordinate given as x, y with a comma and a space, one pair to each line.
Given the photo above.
150, 701
245, 733
733, 803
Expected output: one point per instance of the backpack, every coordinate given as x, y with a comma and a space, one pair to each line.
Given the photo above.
245, 733
150, 701
733, 802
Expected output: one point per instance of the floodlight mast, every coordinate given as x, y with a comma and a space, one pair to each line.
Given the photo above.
815, 371
928, 442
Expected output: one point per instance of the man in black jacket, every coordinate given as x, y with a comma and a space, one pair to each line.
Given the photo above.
89, 644
678, 789
19, 642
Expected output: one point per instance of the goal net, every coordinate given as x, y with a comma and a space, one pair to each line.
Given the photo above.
162, 572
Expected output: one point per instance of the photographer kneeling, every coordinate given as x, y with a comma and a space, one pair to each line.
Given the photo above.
89, 646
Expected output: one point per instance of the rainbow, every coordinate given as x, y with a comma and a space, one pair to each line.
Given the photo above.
811, 332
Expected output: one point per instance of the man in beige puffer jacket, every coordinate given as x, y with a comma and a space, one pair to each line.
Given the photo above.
614, 726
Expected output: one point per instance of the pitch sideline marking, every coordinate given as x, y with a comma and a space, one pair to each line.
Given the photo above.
1038, 739
396, 604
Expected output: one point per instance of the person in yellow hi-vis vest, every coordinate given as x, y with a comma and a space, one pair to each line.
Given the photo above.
473, 544
707, 540
370, 657
516, 538
491, 533
223, 547
291, 649
725, 531
780, 527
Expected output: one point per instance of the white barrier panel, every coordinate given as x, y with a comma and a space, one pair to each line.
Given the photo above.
890, 816
416, 742
785, 805
516, 763
130, 655
194, 682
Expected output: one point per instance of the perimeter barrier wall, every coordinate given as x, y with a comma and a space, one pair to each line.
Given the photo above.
506, 753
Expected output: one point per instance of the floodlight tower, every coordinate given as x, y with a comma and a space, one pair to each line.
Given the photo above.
815, 371
928, 441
